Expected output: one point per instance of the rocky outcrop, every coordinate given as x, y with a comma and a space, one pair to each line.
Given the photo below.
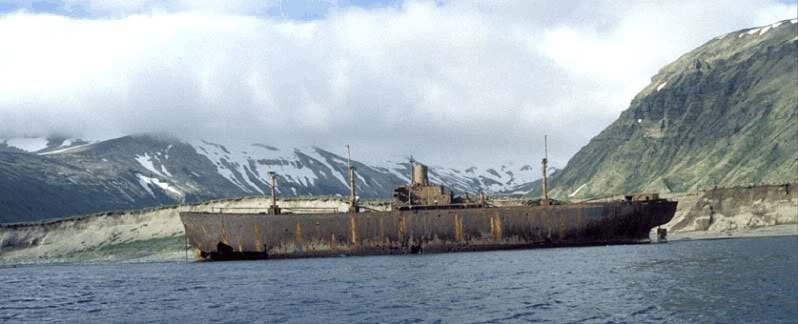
737, 208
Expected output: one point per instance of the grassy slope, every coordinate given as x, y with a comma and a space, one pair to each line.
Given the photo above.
726, 116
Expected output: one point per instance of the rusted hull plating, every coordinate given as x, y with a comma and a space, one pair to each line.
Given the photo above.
248, 236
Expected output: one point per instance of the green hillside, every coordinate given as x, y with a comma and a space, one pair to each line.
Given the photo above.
723, 114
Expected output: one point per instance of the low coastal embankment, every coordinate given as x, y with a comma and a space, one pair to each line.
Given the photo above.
738, 211
157, 234
144, 235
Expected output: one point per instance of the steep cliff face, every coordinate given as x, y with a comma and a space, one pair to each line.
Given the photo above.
735, 209
723, 114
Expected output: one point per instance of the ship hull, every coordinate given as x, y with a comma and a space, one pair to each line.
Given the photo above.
226, 236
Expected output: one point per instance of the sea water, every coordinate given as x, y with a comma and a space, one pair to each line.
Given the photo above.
739, 280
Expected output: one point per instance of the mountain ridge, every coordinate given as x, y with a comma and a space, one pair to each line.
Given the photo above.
140, 171
722, 114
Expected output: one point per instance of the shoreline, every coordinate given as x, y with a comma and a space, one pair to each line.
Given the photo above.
764, 231
180, 256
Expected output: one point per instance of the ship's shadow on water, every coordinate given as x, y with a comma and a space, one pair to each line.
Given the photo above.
744, 280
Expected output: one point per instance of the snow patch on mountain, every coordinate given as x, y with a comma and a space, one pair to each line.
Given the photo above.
764, 29
147, 162
503, 179
70, 149
29, 144
394, 168
168, 189
327, 161
248, 167
577, 190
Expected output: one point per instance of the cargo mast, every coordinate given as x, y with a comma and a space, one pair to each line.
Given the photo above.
353, 198
409, 192
545, 201
274, 209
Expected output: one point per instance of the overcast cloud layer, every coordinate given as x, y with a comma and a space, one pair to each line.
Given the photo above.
461, 83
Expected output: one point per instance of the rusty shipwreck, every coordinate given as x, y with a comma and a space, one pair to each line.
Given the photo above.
424, 218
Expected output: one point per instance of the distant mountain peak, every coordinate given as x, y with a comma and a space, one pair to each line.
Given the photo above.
141, 171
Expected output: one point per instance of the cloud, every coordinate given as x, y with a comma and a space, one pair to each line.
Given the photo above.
461, 83
96, 8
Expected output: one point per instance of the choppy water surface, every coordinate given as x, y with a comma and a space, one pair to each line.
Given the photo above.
741, 280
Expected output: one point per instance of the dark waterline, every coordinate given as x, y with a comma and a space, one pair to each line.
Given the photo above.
740, 280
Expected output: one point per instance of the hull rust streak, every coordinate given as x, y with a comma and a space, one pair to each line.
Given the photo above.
222, 236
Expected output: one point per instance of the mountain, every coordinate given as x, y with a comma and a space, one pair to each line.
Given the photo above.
45, 178
723, 114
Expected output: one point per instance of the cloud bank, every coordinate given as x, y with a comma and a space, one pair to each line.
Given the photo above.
449, 82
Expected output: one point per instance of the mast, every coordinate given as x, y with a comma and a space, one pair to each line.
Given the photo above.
353, 198
545, 178
409, 190
274, 209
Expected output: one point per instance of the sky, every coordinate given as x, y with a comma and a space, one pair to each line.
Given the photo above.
458, 83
